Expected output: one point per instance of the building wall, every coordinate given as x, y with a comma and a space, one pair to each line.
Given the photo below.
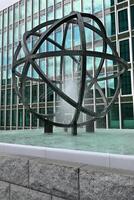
118, 19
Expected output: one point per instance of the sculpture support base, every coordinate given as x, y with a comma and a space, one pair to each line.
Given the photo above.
48, 128
74, 130
90, 127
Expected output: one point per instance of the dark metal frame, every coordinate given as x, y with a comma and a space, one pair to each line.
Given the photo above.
31, 56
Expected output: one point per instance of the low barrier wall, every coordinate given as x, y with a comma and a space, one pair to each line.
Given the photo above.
30, 178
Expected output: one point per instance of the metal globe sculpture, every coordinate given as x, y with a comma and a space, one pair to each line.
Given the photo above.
87, 79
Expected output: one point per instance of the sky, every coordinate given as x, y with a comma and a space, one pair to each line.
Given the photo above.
6, 3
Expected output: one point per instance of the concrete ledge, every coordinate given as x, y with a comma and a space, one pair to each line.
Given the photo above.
35, 178
117, 161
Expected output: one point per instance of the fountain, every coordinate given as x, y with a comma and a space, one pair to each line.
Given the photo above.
87, 80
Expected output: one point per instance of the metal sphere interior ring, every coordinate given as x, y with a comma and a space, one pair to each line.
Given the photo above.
88, 79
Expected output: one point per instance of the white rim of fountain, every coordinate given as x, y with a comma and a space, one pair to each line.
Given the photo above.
117, 161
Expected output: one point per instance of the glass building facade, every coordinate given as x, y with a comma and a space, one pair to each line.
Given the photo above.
118, 19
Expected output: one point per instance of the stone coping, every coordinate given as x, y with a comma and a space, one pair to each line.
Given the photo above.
125, 162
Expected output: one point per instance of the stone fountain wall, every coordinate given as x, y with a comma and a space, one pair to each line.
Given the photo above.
28, 178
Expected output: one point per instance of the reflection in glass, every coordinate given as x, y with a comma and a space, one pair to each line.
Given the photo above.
29, 8
123, 20
126, 83
97, 6
110, 24
87, 6
77, 5
67, 8
124, 50
127, 115
113, 116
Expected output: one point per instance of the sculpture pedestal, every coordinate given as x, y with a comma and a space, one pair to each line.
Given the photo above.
48, 128
74, 130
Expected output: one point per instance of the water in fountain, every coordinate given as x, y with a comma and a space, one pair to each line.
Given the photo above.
64, 110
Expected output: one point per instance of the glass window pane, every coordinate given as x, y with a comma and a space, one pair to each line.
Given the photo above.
2, 97
10, 56
133, 47
57, 1
68, 42
42, 92
124, 50
16, 33
8, 96
29, 8
49, 98
96, 36
10, 36
58, 60
2, 117
132, 17
126, 83
22, 10
35, 21
16, 17
76, 35
43, 65
14, 97
35, 6
7, 117
42, 19
27, 94
22, 30
34, 93
68, 66
10, 16
127, 115
123, 20
5, 39
42, 4
9, 74
50, 67
67, 8
29, 25
89, 63
20, 118
76, 5
0, 21
87, 6
5, 57
3, 76
114, 116
5, 19
111, 85
27, 118
14, 118
50, 15
89, 35
97, 6
50, 3
58, 37
58, 13
110, 24
0, 40
109, 3
0, 59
